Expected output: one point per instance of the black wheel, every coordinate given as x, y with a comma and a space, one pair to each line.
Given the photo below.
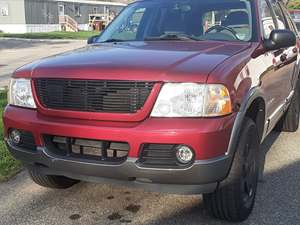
290, 120
50, 181
234, 198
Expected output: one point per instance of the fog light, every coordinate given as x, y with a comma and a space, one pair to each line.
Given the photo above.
184, 154
15, 136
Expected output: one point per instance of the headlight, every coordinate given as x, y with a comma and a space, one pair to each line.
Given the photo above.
192, 100
20, 93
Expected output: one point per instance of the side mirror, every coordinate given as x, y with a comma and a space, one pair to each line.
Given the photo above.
280, 39
92, 40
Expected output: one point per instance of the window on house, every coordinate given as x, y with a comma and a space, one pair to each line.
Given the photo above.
77, 10
95, 10
3, 9
61, 10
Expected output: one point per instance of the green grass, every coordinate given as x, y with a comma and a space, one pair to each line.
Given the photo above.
81, 35
8, 165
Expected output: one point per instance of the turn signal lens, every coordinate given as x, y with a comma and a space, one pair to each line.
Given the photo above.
217, 101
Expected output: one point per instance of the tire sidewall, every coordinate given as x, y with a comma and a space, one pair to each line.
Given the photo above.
234, 179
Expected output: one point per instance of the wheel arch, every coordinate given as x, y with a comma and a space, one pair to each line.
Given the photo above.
257, 112
254, 107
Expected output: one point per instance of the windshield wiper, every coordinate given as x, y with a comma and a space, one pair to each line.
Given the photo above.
112, 40
172, 37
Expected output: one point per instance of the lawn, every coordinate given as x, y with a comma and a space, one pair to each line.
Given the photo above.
81, 35
8, 165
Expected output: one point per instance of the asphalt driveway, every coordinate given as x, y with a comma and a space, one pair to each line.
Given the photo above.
23, 202
17, 52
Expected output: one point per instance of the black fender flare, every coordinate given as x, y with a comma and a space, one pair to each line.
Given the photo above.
252, 95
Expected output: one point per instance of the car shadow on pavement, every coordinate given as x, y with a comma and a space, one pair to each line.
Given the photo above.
277, 203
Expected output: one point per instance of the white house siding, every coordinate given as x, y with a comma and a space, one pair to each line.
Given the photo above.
34, 28
13, 28
15, 19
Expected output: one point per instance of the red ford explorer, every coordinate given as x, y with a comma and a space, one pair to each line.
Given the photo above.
174, 96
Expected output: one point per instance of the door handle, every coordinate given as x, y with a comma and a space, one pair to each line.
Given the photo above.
295, 50
283, 57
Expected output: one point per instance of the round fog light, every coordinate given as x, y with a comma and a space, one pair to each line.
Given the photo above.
15, 136
184, 154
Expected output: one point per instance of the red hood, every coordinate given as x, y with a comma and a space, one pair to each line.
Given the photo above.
155, 61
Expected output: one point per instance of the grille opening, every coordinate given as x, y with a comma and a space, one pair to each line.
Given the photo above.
105, 151
93, 95
160, 156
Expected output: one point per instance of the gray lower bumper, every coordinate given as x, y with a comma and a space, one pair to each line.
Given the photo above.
201, 177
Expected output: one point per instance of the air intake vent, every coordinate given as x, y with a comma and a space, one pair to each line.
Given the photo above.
87, 149
93, 95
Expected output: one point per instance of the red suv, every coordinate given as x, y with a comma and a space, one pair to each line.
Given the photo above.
174, 96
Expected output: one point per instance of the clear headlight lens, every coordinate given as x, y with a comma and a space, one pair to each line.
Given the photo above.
20, 93
192, 100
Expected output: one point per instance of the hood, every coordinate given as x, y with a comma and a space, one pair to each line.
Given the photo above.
155, 61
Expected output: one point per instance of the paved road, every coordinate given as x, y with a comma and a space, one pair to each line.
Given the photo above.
23, 202
17, 52
278, 200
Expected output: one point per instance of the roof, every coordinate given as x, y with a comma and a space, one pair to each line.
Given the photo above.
93, 2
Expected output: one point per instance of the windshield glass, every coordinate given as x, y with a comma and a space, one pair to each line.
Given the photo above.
224, 20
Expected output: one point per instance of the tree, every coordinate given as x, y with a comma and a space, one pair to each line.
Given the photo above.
294, 4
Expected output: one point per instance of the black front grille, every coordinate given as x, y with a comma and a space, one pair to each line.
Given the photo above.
104, 151
159, 156
93, 95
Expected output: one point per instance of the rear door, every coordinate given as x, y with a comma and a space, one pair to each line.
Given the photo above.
292, 26
285, 58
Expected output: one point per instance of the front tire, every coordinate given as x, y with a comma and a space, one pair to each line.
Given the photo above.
50, 181
234, 198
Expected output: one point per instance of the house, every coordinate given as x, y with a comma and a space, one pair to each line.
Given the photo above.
24, 16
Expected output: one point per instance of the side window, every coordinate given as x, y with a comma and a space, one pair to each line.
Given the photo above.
268, 23
279, 16
128, 30
291, 23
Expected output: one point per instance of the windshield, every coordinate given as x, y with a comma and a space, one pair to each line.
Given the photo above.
223, 20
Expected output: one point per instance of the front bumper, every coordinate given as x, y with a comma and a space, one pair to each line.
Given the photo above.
208, 137
201, 177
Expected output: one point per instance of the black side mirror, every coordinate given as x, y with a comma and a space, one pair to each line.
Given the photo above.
280, 39
92, 40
